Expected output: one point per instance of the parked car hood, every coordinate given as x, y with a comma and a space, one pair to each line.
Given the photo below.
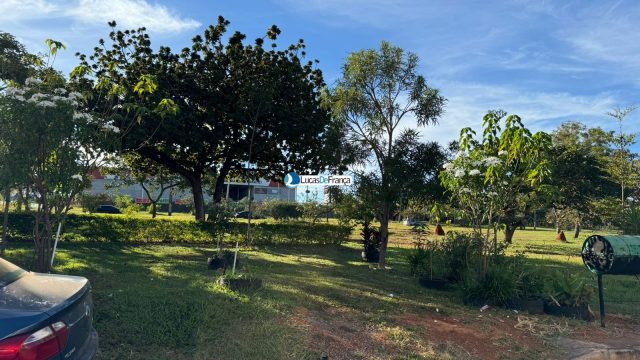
34, 297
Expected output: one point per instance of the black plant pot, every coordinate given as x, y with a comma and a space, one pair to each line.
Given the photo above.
371, 255
239, 284
577, 312
436, 284
532, 306
215, 263
222, 261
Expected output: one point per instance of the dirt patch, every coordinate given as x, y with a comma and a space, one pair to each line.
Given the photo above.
343, 333
484, 336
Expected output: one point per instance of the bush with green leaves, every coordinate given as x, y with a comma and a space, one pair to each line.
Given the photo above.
90, 202
282, 210
426, 258
138, 230
498, 286
568, 289
460, 252
126, 204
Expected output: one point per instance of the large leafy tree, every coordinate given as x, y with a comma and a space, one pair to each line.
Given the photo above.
204, 110
379, 89
16, 64
578, 178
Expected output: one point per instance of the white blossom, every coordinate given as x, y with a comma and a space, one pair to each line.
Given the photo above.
460, 154
60, 91
32, 81
80, 116
77, 177
631, 199
492, 160
111, 128
19, 97
492, 193
46, 103
459, 173
502, 152
505, 183
465, 190
39, 96
447, 166
474, 172
74, 95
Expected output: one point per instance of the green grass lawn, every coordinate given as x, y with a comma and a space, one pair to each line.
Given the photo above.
161, 302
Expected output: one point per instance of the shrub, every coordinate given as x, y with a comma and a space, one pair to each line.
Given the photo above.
282, 210
460, 252
568, 289
126, 204
121, 229
90, 202
426, 257
497, 287
371, 242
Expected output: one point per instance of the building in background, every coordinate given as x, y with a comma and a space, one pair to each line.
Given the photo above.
235, 190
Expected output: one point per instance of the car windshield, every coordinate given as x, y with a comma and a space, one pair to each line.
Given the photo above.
8, 272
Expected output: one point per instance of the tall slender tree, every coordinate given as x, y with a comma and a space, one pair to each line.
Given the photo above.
379, 89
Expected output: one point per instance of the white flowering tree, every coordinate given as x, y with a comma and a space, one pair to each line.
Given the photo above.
496, 178
54, 144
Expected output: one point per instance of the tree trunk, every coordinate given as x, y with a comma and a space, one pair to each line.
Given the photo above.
219, 188
508, 233
170, 209
576, 234
42, 237
198, 197
384, 235
153, 210
5, 220
19, 200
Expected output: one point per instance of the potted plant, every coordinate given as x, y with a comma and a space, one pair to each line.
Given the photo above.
530, 292
371, 241
221, 260
569, 296
239, 282
220, 215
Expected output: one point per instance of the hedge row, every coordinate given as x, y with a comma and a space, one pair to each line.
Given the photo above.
126, 229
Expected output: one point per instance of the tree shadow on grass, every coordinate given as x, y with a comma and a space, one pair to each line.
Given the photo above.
160, 302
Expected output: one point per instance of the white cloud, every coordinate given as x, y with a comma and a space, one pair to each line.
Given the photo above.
540, 111
127, 13
14, 10
130, 13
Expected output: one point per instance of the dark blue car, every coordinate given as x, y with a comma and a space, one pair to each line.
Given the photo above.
44, 316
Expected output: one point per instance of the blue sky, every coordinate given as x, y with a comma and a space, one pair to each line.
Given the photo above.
548, 61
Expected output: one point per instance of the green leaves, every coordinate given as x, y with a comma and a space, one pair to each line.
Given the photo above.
167, 107
146, 84
54, 46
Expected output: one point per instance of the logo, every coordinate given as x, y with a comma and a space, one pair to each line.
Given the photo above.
291, 180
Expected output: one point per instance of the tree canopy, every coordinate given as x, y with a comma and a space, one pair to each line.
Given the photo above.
197, 111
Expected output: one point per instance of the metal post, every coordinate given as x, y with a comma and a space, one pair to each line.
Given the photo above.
601, 299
